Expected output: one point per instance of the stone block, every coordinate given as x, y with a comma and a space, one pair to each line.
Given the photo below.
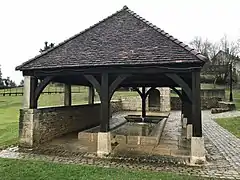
87, 136
146, 140
179, 152
184, 123
197, 151
26, 128
104, 144
121, 139
161, 151
189, 131
133, 140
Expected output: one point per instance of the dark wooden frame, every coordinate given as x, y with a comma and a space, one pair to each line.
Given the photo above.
107, 80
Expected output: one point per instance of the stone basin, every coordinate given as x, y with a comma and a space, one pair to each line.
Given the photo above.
147, 119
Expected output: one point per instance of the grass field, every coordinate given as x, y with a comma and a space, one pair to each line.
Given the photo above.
231, 124
31, 170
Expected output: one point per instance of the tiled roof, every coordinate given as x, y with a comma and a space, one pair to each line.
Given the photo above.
124, 38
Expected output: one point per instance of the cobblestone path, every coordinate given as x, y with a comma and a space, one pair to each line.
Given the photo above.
227, 144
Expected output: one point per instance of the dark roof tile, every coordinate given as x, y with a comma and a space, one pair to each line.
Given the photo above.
123, 38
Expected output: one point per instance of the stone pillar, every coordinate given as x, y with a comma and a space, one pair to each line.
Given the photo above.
197, 150
104, 147
67, 95
197, 141
184, 122
30, 84
26, 128
26, 118
189, 131
164, 99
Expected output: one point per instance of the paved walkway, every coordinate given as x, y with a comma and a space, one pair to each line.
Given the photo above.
227, 144
222, 147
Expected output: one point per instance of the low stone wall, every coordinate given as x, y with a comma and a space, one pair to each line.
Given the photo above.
40, 125
206, 103
47, 123
220, 93
213, 93
132, 103
116, 106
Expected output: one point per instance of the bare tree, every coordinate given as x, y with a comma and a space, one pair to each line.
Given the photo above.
230, 50
205, 47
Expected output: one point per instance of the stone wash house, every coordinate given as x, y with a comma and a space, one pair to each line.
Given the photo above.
123, 50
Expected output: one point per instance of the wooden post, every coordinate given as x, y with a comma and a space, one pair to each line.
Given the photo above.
143, 102
67, 95
91, 95
33, 84
230, 82
196, 105
183, 103
104, 95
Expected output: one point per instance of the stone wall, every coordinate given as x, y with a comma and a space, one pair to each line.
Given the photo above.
164, 99
40, 125
213, 93
220, 93
46, 123
206, 103
116, 106
134, 103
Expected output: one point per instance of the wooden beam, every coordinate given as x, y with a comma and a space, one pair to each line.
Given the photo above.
41, 86
177, 79
33, 86
105, 103
138, 91
178, 92
121, 70
94, 82
196, 105
148, 91
115, 84
143, 102
67, 95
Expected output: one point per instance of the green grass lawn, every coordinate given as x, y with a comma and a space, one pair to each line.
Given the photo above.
231, 124
31, 170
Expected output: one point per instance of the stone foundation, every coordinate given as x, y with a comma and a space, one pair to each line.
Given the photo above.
184, 123
37, 126
197, 151
26, 128
104, 144
189, 131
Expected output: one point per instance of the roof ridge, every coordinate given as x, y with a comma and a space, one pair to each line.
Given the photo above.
69, 39
175, 40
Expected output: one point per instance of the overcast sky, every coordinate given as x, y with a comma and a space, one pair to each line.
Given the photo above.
26, 24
